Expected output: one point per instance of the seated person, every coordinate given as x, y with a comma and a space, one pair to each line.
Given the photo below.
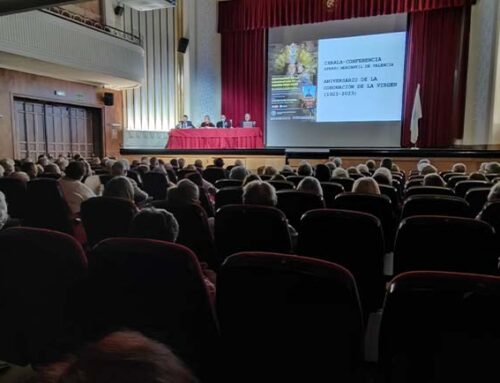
184, 123
247, 121
310, 185
383, 176
238, 173
366, 185
156, 224
184, 193
224, 123
119, 169
434, 179
478, 176
305, 170
119, 187
459, 168
74, 191
207, 123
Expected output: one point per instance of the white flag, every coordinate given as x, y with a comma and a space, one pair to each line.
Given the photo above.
416, 115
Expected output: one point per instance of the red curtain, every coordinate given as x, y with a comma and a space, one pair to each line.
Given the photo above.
437, 49
243, 75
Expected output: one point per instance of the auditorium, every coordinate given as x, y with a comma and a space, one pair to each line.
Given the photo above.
211, 191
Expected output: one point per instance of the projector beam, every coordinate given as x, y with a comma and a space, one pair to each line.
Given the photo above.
16, 6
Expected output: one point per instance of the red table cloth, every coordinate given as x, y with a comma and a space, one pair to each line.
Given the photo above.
236, 138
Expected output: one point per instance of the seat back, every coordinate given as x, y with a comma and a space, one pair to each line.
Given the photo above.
46, 207
295, 203
476, 198
295, 180
433, 190
440, 327
228, 196
462, 187
39, 272
251, 228
282, 185
414, 182
15, 195
330, 191
134, 175
105, 178
288, 318
392, 193
452, 181
213, 174
445, 244
156, 288
435, 205
360, 248
345, 182
491, 215
224, 183
155, 184
183, 173
106, 217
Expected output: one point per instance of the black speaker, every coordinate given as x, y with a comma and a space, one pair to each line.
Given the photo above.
183, 45
109, 99
119, 9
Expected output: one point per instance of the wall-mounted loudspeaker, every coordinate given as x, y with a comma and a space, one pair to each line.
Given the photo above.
183, 45
119, 9
109, 99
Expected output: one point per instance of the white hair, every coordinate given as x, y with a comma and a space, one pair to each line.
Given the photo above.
310, 185
4, 216
259, 193
366, 185
384, 171
340, 173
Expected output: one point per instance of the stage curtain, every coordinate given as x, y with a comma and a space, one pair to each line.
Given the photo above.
436, 59
243, 75
245, 15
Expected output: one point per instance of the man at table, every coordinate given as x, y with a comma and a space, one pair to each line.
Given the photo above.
185, 123
247, 122
207, 123
224, 123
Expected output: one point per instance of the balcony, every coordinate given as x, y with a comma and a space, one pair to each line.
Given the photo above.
60, 44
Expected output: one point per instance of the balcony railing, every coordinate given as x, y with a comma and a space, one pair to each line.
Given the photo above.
93, 24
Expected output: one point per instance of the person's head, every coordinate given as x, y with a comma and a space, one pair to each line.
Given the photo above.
338, 162
305, 169
434, 179
185, 118
153, 162
331, 166
95, 161
494, 194
118, 169
340, 173
259, 193
310, 185
62, 163
52, 169
125, 357
219, 162
198, 164
459, 168
428, 169
77, 156
250, 178
386, 172
119, 187
423, 162
366, 185
248, 117
382, 179
181, 162
30, 169
363, 169
75, 170
238, 173
238, 163
493, 168
477, 176
8, 166
371, 164
270, 171
184, 193
142, 169
395, 168
278, 177
21, 176
386, 163
4, 215
482, 167
287, 169
196, 178
223, 117
175, 163
352, 170
44, 161
206, 119
322, 173
156, 224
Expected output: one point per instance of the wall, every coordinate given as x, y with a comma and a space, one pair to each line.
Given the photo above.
90, 9
481, 74
37, 87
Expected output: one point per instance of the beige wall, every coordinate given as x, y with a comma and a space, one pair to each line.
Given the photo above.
20, 84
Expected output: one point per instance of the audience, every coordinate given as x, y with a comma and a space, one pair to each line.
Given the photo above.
8, 166
323, 173
477, 176
383, 176
120, 357
434, 179
238, 173
494, 194
366, 185
270, 171
386, 163
423, 162
52, 169
259, 193
428, 169
331, 166
287, 169
371, 165
219, 162
119, 169
4, 215
352, 170
2, 171
459, 168
184, 193
156, 224
30, 169
493, 168
305, 170
198, 164
119, 187
337, 161
310, 185
250, 178
74, 191
363, 169
278, 177
340, 173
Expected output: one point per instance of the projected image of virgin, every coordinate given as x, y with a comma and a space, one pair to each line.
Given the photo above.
293, 76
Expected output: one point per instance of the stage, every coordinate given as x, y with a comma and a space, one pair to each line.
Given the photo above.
472, 156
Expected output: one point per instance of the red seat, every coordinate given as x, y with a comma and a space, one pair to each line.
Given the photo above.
39, 272
156, 288
288, 319
440, 327
295, 203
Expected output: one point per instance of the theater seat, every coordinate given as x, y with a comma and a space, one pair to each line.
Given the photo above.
393, 194
224, 183
295, 203
15, 195
477, 198
441, 327
330, 191
250, 228
452, 181
345, 182
282, 185
295, 179
228, 196
156, 185
435, 205
156, 288
40, 270
462, 187
445, 244
433, 190
491, 214
360, 248
288, 319
213, 174
106, 217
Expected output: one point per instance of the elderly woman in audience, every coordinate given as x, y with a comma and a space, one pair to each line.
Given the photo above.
352, 170
366, 185
156, 224
383, 176
482, 167
434, 179
322, 173
477, 176
184, 193
52, 169
119, 187
74, 191
305, 170
278, 177
310, 185
259, 193
331, 166
459, 168
287, 169
238, 173
250, 178
62, 162
428, 169
493, 168
4, 215
423, 162
364, 170
337, 161
340, 173
119, 169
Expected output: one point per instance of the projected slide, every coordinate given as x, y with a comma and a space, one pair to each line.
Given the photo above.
348, 79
